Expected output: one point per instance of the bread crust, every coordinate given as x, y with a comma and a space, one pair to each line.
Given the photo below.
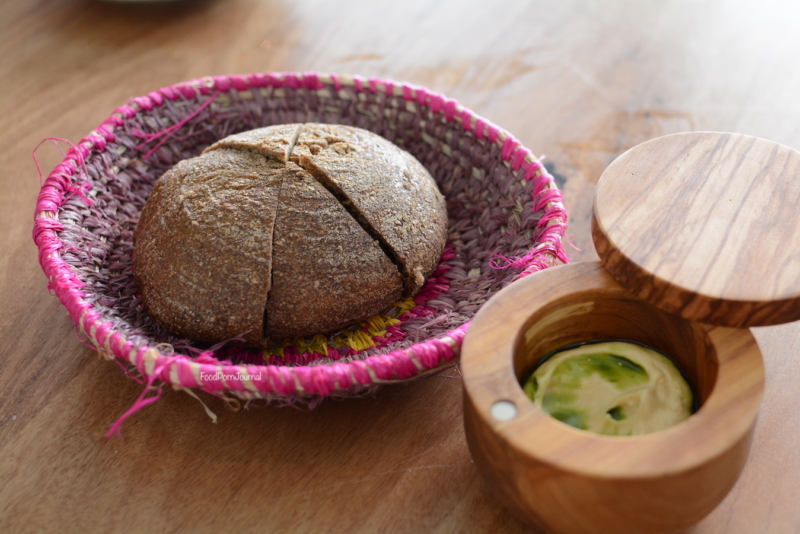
287, 231
387, 187
274, 142
327, 272
204, 245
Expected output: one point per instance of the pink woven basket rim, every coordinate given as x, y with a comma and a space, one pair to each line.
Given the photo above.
277, 380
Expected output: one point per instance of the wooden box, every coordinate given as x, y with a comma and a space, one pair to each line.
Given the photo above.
692, 230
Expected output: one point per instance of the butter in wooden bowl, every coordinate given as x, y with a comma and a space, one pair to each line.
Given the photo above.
614, 388
287, 231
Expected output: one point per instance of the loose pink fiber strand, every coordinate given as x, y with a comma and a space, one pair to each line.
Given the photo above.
76, 188
167, 133
141, 401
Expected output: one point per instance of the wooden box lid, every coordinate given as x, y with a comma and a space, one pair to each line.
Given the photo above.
705, 225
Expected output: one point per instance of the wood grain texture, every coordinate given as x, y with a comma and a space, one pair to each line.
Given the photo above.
546, 471
702, 224
580, 81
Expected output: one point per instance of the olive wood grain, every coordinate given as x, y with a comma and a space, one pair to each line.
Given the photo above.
569, 481
705, 225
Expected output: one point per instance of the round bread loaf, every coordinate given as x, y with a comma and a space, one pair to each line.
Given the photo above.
286, 231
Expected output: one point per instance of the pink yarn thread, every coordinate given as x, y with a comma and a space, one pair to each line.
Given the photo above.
169, 132
142, 400
551, 226
77, 158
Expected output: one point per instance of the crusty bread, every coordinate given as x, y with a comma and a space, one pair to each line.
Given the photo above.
287, 231
327, 271
204, 245
386, 187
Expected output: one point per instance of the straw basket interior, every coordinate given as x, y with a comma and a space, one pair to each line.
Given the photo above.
506, 220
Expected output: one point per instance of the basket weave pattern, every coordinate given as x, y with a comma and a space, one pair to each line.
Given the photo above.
506, 221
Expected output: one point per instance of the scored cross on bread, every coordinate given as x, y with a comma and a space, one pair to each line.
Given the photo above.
303, 229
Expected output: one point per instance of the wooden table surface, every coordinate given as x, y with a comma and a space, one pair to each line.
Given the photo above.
579, 81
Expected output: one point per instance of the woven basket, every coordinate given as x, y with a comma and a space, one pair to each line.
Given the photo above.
506, 221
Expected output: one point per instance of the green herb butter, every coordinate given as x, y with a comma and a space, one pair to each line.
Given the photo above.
613, 388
